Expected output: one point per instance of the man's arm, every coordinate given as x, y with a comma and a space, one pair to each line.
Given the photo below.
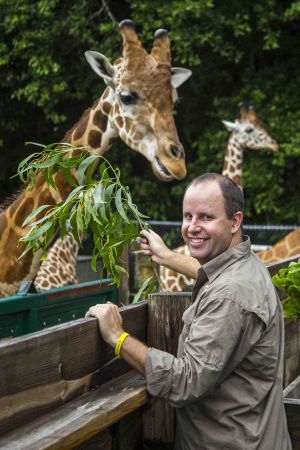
153, 245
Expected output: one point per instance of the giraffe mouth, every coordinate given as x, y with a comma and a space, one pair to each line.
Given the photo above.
162, 170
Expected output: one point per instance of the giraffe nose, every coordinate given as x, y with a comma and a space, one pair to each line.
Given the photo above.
274, 146
175, 152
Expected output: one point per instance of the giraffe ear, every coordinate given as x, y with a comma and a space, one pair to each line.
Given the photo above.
101, 65
232, 126
179, 76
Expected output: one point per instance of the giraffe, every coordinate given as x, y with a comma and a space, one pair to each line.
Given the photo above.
59, 267
247, 132
285, 248
137, 105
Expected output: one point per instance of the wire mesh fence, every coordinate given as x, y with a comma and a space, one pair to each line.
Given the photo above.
260, 235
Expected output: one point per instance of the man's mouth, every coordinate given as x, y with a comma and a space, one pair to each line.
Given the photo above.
197, 241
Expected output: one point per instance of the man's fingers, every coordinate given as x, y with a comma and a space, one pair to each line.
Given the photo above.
89, 313
145, 234
92, 311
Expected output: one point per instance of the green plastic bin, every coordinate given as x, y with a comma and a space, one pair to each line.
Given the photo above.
22, 314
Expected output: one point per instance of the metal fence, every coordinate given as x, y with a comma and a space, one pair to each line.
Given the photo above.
261, 235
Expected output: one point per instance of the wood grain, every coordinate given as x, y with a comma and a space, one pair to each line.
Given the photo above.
78, 420
46, 369
165, 324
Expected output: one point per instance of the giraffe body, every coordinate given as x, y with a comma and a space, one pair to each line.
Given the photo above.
285, 248
247, 132
59, 264
137, 106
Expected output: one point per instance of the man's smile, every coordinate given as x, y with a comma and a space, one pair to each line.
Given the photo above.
197, 241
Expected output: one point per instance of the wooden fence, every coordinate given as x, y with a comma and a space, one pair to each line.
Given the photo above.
62, 388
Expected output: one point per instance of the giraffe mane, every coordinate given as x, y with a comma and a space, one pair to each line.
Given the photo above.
11, 198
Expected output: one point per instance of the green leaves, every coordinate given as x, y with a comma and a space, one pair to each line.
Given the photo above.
49, 161
104, 206
148, 287
288, 280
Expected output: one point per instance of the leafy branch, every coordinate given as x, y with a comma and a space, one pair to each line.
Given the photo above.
288, 280
104, 206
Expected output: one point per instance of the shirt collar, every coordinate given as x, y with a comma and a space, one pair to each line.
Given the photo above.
210, 270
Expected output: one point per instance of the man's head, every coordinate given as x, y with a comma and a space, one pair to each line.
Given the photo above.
212, 216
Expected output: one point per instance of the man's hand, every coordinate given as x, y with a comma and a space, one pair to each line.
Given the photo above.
153, 245
109, 320
110, 325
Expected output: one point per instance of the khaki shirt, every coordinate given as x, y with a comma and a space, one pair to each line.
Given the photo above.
226, 382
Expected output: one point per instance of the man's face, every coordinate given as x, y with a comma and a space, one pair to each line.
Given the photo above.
205, 228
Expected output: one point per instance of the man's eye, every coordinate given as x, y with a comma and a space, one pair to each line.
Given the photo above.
129, 98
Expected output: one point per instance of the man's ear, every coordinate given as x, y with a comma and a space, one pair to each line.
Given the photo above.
179, 76
237, 221
101, 65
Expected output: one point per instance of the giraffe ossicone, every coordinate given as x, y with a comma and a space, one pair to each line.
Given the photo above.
137, 105
247, 133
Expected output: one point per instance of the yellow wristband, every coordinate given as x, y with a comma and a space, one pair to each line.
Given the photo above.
120, 343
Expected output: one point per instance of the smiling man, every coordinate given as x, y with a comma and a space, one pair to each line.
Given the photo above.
226, 381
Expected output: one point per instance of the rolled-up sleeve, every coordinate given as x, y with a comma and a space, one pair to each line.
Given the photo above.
209, 341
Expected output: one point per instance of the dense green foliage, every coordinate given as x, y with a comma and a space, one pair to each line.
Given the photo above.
238, 51
288, 280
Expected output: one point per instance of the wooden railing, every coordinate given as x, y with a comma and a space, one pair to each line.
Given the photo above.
49, 395
63, 387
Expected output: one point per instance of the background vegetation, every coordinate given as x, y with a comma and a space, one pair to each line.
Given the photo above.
238, 51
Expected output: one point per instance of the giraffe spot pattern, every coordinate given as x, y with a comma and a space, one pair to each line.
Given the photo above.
128, 124
100, 120
94, 139
82, 125
15, 205
137, 136
119, 121
95, 104
106, 107
3, 222
106, 93
23, 211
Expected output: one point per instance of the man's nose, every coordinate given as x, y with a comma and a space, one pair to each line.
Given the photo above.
194, 224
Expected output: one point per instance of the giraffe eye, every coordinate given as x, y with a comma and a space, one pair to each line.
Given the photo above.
249, 129
129, 98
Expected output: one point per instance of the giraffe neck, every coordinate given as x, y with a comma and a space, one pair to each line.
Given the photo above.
94, 130
232, 167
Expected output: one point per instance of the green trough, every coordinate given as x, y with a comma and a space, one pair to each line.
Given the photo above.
23, 314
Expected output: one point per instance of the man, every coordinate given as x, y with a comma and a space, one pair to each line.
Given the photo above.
226, 381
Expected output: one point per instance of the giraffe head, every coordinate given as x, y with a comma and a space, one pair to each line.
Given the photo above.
142, 95
249, 132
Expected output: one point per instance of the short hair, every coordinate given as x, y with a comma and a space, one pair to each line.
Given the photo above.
232, 193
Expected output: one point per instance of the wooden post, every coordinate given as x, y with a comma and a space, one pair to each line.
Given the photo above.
291, 350
124, 283
291, 398
165, 311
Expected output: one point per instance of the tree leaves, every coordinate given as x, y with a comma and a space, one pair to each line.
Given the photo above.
104, 206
